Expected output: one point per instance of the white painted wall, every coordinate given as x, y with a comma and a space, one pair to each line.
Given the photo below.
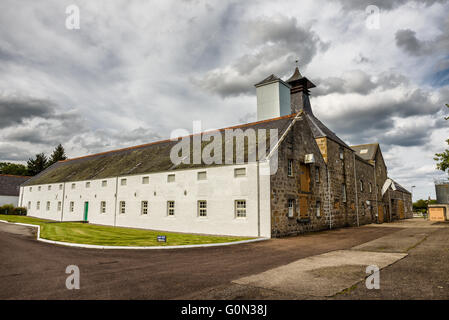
220, 190
9, 200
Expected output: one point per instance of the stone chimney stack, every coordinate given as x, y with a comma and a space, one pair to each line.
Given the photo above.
299, 92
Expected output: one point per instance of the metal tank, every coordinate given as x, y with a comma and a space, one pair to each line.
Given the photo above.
442, 191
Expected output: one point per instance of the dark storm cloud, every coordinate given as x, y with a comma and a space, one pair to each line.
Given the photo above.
275, 44
14, 110
9, 152
406, 40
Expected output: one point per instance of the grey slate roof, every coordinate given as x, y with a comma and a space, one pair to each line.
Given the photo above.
366, 151
319, 130
10, 184
399, 187
147, 158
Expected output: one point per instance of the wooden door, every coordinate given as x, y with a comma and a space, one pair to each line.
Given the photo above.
381, 214
401, 209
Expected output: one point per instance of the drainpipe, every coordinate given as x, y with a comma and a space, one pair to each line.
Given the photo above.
62, 204
356, 193
258, 200
329, 196
115, 206
22, 189
375, 187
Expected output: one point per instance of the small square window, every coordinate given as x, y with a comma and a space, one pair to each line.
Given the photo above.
60, 187
202, 208
73, 185
103, 207
38, 205
202, 175
31, 189
87, 184
123, 182
144, 207
239, 172
39, 188
59, 205
104, 183
171, 178
240, 208
122, 207
290, 168
49, 188
145, 180
170, 208
291, 208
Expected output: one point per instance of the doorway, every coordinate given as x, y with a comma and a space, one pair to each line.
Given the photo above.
86, 210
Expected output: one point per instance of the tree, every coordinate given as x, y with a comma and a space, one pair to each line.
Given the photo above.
13, 168
57, 155
37, 164
443, 158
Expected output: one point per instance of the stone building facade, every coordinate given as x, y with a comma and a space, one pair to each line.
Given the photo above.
319, 183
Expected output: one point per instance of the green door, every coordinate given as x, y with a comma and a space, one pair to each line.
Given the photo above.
86, 209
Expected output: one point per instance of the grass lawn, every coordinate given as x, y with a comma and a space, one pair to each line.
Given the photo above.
77, 232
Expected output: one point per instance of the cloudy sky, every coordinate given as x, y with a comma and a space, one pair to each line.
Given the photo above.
136, 70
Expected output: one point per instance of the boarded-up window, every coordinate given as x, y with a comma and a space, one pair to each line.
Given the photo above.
303, 207
305, 178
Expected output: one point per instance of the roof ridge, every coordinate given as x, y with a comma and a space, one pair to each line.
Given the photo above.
188, 136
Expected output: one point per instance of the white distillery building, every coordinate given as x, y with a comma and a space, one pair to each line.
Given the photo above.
298, 177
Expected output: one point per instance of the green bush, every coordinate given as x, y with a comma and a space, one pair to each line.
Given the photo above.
7, 209
20, 211
10, 209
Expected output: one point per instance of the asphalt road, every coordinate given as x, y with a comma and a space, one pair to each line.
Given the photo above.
34, 270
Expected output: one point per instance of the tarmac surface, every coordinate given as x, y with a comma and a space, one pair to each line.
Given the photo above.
416, 268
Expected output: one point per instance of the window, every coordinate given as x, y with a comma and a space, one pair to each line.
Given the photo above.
38, 205
370, 187
145, 180
170, 208
171, 178
290, 168
317, 174
72, 206
202, 208
103, 207
240, 208
318, 209
342, 154
49, 188
343, 192
361, 185
363, 151
59, 205
122, 207
239, 172
87, 184
73, 185
29, 205
123, 182
291, 207
31, 189
104, 183
144, 207
39, 188
60, 187
202, 175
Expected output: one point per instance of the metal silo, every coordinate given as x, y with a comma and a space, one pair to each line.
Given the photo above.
442, 191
